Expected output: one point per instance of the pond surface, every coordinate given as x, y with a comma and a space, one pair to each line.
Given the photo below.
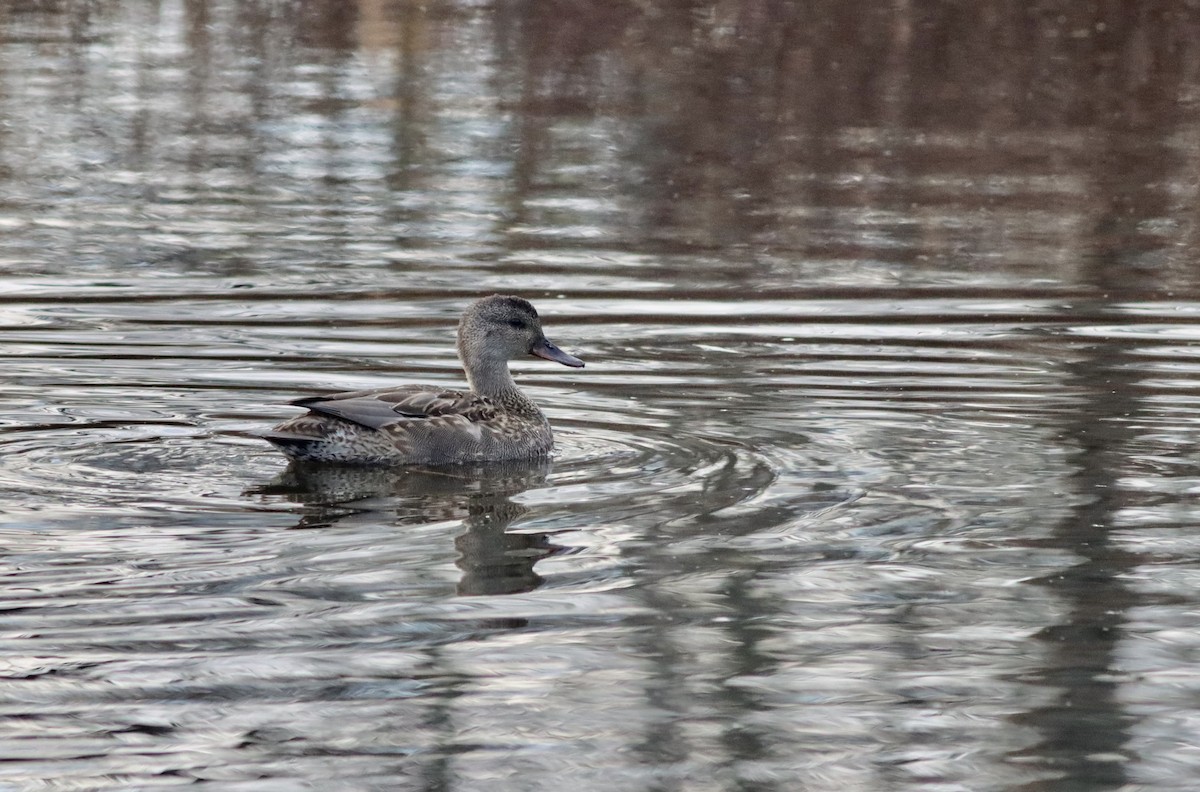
882, 474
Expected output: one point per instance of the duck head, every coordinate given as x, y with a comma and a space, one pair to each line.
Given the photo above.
500, 328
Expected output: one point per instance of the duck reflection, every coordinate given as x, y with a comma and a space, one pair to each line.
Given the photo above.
492, 560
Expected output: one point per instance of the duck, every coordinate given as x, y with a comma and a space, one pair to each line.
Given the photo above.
492, 421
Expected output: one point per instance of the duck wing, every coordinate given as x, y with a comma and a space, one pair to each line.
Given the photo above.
386, 407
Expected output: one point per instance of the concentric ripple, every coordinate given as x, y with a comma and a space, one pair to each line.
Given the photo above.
76, 465
108, 470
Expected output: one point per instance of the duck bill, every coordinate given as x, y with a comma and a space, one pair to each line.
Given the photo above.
547, 351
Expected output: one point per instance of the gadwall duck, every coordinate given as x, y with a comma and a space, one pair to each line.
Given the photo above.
428, 424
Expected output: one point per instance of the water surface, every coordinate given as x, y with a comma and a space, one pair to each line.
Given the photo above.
881, 474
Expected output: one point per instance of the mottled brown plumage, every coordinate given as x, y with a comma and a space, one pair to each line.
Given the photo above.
426, 424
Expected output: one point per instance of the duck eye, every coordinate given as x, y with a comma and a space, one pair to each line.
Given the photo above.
516, 324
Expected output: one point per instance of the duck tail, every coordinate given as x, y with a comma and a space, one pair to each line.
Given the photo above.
295, 446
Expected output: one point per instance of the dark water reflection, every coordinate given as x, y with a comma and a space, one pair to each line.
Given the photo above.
493, 559
880, 476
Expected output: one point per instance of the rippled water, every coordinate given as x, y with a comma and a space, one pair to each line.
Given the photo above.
881, 474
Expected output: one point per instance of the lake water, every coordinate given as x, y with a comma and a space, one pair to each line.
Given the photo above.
882, 474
